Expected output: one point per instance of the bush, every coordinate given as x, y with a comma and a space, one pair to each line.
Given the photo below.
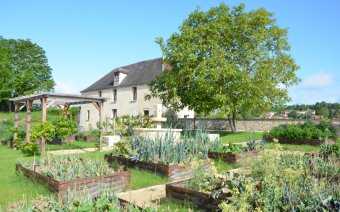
308, 130
30, 148
6, 133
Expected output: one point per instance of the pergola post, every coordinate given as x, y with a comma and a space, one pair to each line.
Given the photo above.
28, 125
101, 111
16, 117
43, 118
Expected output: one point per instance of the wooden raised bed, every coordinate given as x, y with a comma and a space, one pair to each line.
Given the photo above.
172, 172
299, 141
204, 201
234, 158
90, 138
72, 138
118, 181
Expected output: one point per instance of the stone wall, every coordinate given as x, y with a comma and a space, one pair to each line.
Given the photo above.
242, 124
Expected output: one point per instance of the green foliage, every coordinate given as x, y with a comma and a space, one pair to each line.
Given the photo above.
47, 129
231, 148
64, 128
226, 58
289, 182
164, 150
293, 114
69, 167
106, 201
308, 130
30, 148
6, 134
24, 69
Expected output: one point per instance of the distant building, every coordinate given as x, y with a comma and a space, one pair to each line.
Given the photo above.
317, 117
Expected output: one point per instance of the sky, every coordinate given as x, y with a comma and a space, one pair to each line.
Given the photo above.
85, 40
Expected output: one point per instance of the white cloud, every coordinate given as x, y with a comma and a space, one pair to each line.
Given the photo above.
66, 88
318, 81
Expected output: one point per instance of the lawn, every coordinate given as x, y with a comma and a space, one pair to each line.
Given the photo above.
292, 147
227, 137
80, 144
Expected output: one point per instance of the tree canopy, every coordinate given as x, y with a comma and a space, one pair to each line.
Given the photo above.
225, 59
24, 69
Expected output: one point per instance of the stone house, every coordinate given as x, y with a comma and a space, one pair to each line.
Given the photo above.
125, 88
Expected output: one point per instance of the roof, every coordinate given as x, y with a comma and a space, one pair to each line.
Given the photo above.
59, 99
137, 74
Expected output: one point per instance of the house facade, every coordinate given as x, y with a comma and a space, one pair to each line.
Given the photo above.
125, 87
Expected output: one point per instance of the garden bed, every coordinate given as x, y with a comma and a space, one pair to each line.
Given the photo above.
118, 181
204, 201
72, 138
172, 172
299, 141
234, 158
90, 138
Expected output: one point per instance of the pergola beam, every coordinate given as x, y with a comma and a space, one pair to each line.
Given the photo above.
48, 99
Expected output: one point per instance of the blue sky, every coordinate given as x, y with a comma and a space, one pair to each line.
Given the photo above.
84, 40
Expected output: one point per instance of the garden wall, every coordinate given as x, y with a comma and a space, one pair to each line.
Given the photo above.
242, 124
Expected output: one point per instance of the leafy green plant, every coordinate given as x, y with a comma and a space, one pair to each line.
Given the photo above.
64, 128
30, 148
308, 130
165, 150
46, 128
232, 148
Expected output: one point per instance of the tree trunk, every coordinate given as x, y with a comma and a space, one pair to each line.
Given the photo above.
9, 106
232, 122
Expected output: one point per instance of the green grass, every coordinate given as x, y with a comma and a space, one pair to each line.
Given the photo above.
227, 137
223, 166
12, 187
304, 148
73, 145
35, 116
173, 205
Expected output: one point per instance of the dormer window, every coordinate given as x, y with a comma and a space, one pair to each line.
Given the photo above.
116, 77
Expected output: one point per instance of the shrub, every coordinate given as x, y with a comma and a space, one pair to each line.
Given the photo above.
30, 148
308, 130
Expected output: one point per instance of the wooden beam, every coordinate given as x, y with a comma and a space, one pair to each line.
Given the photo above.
28, 125
16, 116
95, 104
50, 103
43, 119
60, 108
21, 106
101, 111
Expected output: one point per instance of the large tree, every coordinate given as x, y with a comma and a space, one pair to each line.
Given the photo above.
226, 59
24, 69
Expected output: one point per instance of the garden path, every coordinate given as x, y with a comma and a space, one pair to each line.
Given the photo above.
76, 151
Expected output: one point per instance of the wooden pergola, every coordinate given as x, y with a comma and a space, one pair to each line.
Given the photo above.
63, 101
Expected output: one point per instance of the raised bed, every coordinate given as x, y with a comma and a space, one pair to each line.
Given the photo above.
234, 158
90, 138
72, 138
299, 141
118, 181
172, 172
204, 201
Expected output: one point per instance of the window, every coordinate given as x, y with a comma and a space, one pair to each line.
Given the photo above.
114, 113
88, 115
134, 93
114, 95
146, 113
99, 93
116, 77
